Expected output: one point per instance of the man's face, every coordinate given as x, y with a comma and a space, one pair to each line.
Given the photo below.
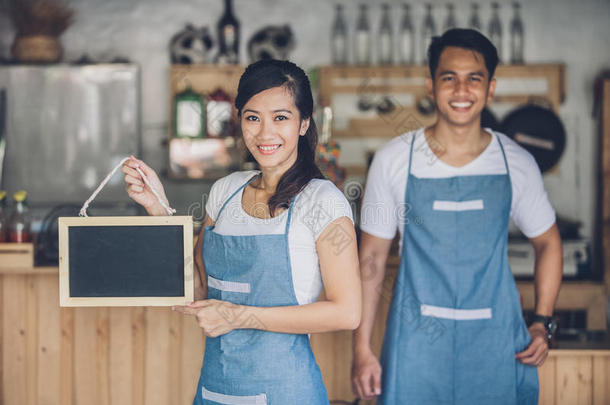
461, 86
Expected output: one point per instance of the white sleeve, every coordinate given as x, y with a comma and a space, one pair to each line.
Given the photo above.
215, 199
378, 213
531, 209
321, 203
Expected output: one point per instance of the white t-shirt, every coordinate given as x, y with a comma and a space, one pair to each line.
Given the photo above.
315, 207
383, 203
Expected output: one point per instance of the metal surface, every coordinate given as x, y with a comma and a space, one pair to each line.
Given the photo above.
67, 126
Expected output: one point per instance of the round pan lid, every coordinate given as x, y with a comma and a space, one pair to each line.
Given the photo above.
540, 131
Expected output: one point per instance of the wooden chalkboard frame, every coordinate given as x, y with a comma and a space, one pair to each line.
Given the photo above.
64, 266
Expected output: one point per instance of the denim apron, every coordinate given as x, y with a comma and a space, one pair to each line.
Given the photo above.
250, 366
455, 321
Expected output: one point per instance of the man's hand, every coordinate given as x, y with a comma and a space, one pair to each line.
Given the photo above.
536, 352
366, 374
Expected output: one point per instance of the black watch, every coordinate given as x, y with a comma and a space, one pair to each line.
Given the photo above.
549, 324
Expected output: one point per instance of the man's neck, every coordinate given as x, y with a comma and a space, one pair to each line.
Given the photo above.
457, 145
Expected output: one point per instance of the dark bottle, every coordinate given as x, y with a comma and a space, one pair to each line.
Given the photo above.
339, 38
3, 220
19, 224
516, 36
228, 36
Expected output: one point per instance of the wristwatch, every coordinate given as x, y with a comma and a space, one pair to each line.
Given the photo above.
549, 324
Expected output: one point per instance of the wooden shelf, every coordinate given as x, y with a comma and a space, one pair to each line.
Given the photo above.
517, 84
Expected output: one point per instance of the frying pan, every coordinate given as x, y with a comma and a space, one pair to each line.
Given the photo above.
540, 131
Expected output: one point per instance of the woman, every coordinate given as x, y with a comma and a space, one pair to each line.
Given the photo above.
269, 242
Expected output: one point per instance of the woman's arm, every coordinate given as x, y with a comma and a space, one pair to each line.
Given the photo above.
337, 252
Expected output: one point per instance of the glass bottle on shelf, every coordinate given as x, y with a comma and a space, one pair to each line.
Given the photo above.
219, 114
406, 37
450, 20
495, 29
516, 36
189, 114
228, 36
474, 21
363, 38
385, 38
3, 219
428, 31
339, 38
19, 223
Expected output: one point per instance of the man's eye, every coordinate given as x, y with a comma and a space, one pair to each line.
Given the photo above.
447, 78
475, 78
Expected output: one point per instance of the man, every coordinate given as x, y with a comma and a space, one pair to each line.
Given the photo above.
455, 332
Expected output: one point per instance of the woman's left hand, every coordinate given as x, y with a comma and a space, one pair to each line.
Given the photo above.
215, 317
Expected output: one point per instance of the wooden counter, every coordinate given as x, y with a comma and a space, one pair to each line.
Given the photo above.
136, 356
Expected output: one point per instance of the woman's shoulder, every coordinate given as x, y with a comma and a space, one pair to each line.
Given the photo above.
321, 202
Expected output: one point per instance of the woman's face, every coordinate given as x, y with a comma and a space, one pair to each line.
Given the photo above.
271, 126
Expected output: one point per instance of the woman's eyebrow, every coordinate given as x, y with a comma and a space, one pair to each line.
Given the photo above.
282, 110
252, 111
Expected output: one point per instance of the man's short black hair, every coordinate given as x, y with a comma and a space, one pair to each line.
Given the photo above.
463, 38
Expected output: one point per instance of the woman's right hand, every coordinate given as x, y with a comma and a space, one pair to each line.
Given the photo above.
139, 191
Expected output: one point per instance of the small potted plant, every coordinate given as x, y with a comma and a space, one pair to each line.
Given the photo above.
38, 25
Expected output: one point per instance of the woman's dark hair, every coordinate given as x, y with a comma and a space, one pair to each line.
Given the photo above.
467, 39
270, 73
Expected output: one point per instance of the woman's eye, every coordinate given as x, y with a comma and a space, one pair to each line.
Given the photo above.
281, 118
251, 118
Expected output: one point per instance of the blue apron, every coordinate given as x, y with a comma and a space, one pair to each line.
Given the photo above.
249, 366
455, 321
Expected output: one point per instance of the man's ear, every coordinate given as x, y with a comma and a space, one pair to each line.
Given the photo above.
492, 90
304, 126
430, 87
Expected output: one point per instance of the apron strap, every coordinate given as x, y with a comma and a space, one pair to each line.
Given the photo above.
289, 215
411, 152
503, 155
234, 194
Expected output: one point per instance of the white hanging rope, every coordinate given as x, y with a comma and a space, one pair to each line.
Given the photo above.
83, 210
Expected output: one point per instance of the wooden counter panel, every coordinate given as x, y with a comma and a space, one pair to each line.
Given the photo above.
140, 356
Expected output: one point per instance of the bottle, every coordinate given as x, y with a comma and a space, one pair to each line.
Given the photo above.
189, 114
219, 114
474, 22
386, 37
428, 31
19, 224
450, 20
516, 36
228, 36
339, 38
363, 38
3, 221
495, 29
406, 37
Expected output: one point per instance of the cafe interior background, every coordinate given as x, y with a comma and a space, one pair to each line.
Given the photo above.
118, 76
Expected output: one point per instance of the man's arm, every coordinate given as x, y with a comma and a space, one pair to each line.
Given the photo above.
548, 273
366, 370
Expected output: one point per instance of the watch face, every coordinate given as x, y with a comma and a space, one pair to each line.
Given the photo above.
551, 327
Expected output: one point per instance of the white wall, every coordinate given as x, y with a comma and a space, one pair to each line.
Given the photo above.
574, 32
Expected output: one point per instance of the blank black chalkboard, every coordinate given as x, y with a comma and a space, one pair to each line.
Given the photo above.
125, 263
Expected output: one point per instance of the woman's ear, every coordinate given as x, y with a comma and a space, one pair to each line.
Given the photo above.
304, 127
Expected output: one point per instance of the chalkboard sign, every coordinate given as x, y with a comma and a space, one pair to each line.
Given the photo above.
125, 261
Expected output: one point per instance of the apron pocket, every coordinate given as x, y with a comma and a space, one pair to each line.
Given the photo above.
260, 399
